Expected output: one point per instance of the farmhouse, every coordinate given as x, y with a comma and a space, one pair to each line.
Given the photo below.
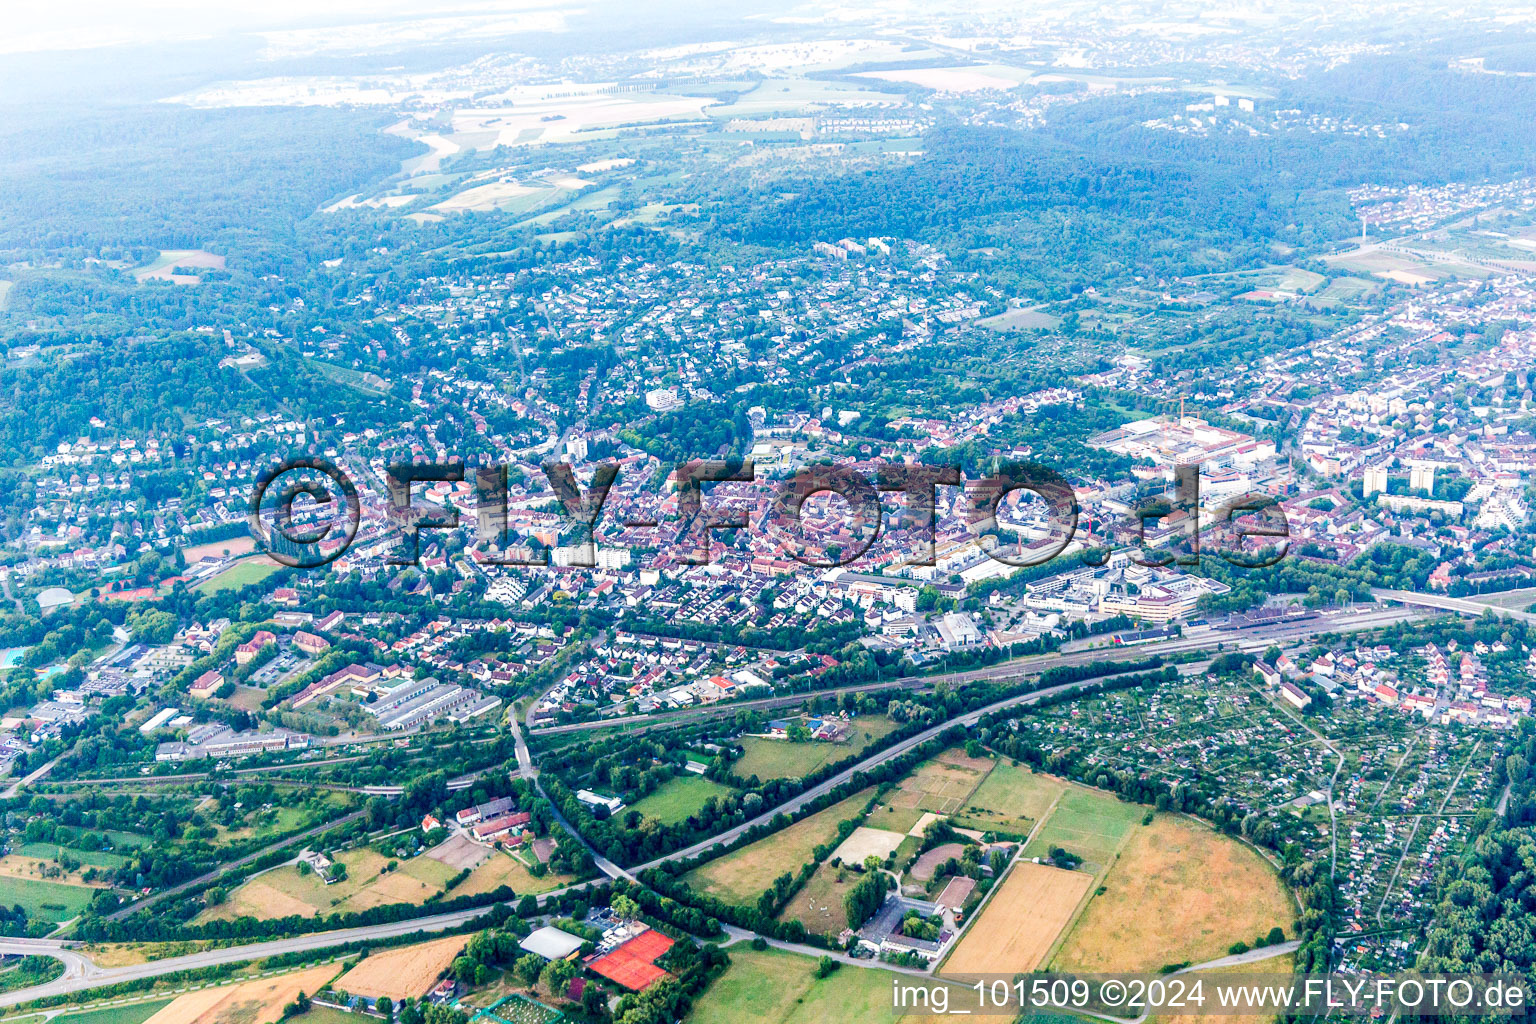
500, 825
882, 933
469, 815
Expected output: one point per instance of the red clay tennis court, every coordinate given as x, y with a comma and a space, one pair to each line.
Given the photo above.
633, 964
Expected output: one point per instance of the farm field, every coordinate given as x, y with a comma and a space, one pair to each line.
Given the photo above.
941, 786
282, 891
251, 1002
1179, 892
1021, 922
325, 1015
741, 875
504, 869
678, 798
1087, 823
782, 988
90, 858
134, 1013
1011, 799
404, 971
46, 901
1280, 965
781, 759
160, 269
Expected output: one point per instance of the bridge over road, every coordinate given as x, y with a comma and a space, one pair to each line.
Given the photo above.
1449, 604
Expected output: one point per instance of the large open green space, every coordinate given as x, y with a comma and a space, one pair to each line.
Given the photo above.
781, 759
134, 1013
740, 876
678, 798
45, 901
1087, 823
782, 987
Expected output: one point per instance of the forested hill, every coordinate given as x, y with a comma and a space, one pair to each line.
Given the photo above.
164, 176
1098, 191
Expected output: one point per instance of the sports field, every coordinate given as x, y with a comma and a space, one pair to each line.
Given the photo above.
240, 574
405, 971
1087, 823
1021, 922
740, 876
1011, 799
1180, 892
782, 988
678, 798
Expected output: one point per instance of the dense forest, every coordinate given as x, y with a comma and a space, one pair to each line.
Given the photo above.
164, 176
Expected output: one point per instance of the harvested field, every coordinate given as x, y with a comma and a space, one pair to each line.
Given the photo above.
258, 899
929, 862
740, 876
1179, 892
412, 882
460, 852
867, 842
164, 266
1021, 922
504, 869
1282, 965
252, 1002
283, 891
406, 971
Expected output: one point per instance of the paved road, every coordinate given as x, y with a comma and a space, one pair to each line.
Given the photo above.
1033, 664
1253, 956
873, 761
1449, 604
530, 773
150, 901
15, 787
85, 975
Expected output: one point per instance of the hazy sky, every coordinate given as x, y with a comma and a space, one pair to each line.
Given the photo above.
80, 24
